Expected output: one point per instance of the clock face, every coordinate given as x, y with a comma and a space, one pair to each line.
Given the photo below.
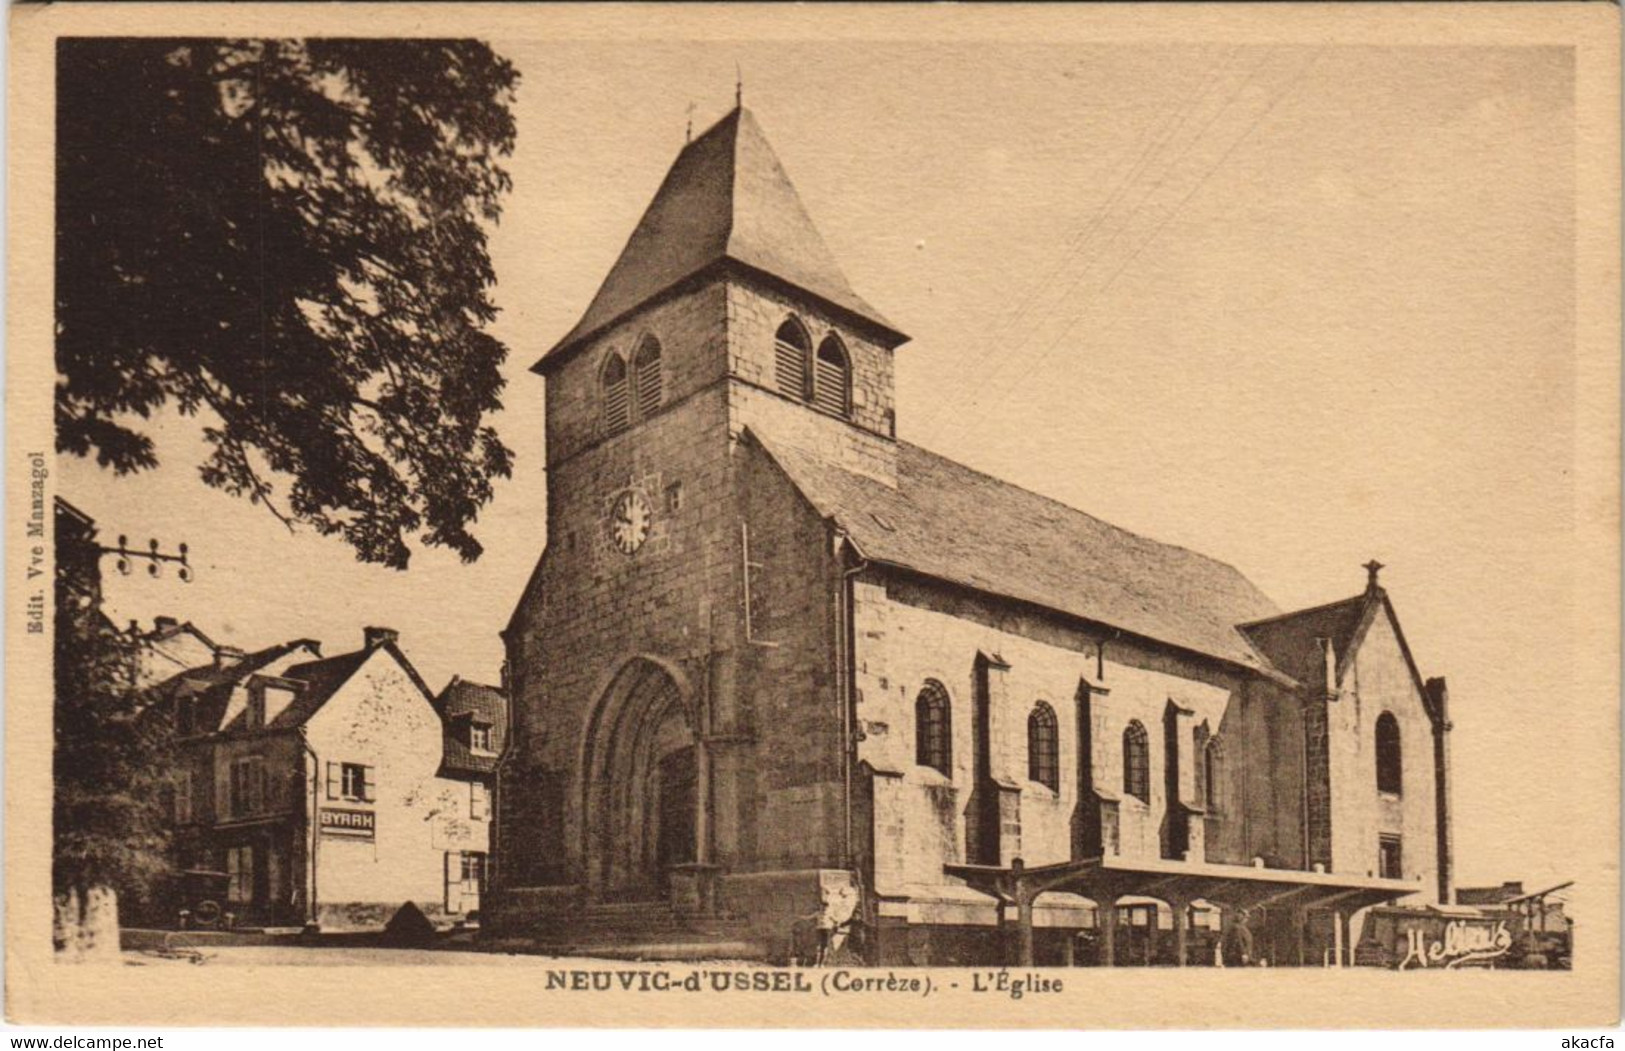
629, 521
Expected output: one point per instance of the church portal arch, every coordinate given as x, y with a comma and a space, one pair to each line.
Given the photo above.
641, 793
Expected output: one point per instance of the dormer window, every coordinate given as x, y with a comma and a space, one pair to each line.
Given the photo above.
831, 378
479, 737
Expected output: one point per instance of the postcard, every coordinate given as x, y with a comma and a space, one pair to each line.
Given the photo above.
1097, 516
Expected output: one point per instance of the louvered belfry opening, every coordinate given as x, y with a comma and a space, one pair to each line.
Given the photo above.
646, 369
617, 404
791, 348
830, 377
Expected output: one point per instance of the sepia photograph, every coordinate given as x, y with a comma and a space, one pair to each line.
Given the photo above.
1000, 506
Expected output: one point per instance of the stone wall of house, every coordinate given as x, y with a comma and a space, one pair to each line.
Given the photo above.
382, 720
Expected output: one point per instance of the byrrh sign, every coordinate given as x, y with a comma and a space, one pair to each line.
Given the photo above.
358, 823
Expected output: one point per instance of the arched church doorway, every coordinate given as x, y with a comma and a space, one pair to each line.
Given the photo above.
642, 785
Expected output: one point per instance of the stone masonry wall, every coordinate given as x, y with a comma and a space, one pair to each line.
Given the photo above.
910, 631
1378, 681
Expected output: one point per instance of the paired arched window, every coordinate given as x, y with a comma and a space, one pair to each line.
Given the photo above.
646, 370
1137, 762
1043, 747
1390, 770
824, 378
831, 377
792, 347
933, 728
617, 398
638, 386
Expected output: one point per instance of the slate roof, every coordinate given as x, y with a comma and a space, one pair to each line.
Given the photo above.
726, 198
462, 702
1292, 641
952, 523
321, 680
211, 686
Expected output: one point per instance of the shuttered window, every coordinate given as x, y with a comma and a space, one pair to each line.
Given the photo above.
647, 377
791, 349
933, 728
1043, 747
617, 407
1137, 762
830, 379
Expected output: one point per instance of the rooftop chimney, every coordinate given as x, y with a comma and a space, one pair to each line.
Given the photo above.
376, 637
226, 656
164, 623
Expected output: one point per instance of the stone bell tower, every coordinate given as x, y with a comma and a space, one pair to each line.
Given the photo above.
660, 744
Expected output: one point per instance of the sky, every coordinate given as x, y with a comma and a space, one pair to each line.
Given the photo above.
1294, 308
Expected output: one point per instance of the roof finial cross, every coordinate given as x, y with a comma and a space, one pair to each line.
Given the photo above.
739, 86
1372, 568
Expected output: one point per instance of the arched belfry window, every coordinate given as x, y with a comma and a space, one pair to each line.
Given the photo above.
1043, 747
1390, 769
617, 406
792, 349
832, 377
933, 728
1137, 762
646, 373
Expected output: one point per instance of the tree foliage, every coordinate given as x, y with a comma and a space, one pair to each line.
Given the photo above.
110, 766
288, 239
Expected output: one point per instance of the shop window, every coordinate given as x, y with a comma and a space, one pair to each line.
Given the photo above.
240, 875
933, 728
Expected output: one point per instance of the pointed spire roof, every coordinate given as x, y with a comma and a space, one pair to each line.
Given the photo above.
726, 199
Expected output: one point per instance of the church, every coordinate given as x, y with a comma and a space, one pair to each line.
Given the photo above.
781, 678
